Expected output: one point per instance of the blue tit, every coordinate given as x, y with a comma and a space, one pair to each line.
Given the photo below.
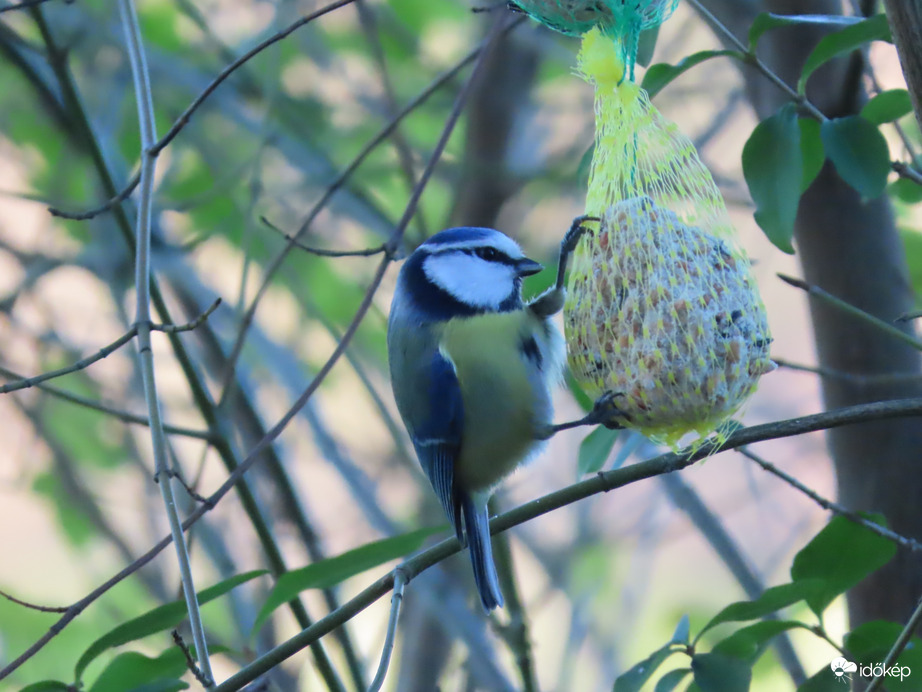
472, 369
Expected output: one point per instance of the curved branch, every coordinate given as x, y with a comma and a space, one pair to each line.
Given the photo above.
602, 482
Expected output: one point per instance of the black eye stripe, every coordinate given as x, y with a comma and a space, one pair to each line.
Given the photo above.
486, 253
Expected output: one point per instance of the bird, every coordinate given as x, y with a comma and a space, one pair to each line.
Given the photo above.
472, 369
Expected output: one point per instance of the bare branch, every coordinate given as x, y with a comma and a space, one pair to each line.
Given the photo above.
190, 660
600, 483
144, 97
194, 324
124, 416
33, 606
320, 252
79, 365
860, 314
854, 378
400, 581
104, 207
104, 352
831, 506
227, 71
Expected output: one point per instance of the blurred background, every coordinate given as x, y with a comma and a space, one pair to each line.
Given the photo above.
601, 583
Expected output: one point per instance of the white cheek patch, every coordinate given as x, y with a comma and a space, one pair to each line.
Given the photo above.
470, 279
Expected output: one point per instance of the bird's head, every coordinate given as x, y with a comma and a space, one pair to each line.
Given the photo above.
466, 271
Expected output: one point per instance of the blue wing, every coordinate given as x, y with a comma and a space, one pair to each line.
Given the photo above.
438, 439
438, 443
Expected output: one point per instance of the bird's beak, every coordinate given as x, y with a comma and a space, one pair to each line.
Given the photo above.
527, 267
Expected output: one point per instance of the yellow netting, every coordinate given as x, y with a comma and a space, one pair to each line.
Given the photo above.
662, 308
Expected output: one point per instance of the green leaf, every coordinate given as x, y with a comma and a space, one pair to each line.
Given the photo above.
748, 643
47, 686
131, 671
771, 600
773, 168
157, 620
859, 152
595, 449
844, 41
767, 20
887, 106
840, 556
719, 673
671, 680
905, 190
811, 147
682, 631
636, 677
334, 570
659, 75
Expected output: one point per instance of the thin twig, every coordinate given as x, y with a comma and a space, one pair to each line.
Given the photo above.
194, 324
105, 351
400, 581
124, 416
190, 660
902, 169
832, 374
227, 71
880, 324
104, 207
369, 24
33, 606
145, 103
897, 648
321, 252
831, 506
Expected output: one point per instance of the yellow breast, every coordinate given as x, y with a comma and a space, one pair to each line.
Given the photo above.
497, 391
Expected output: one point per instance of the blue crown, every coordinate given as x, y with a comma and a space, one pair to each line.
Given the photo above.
460, 234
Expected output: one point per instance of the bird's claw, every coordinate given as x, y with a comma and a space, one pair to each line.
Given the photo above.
572, 236
606, 412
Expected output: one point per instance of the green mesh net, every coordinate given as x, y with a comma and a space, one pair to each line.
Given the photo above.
662, 309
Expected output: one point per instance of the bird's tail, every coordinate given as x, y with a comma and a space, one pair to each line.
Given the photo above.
477, 523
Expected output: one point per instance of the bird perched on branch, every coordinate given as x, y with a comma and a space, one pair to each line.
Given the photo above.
472, 369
